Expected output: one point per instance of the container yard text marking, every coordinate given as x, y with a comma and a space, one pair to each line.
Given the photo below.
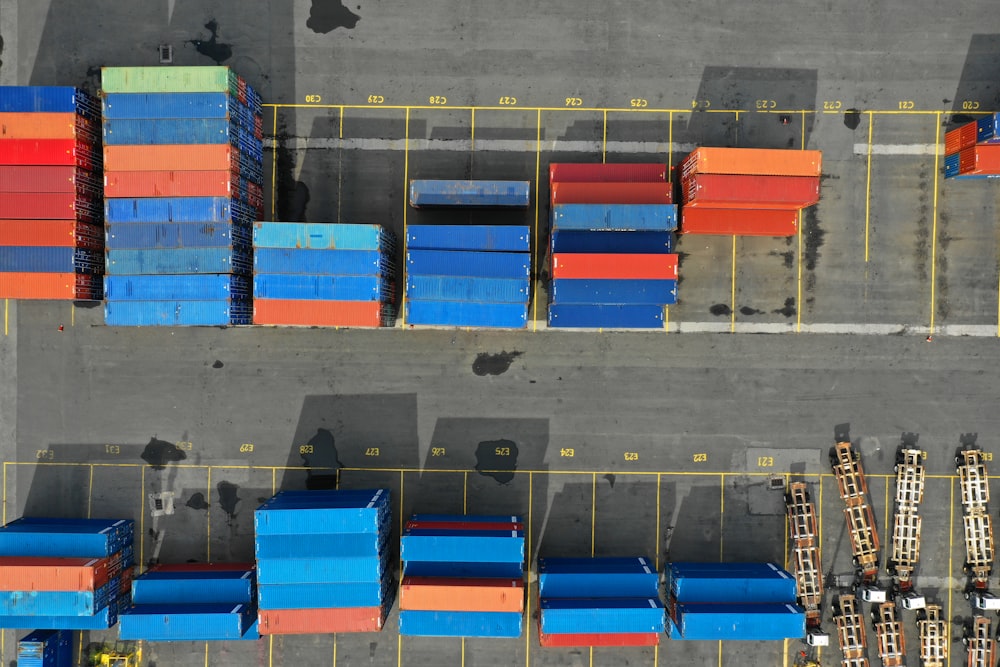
638, 103
437, 451
112, 449
246, 448
700, 458
906, 105
766, 104
376, 99
372, 451
502, 451
45, 455
987, 456
832, 105
306, 449
631, 456
765, 461
970, 105
701, 104
437, 99
508, 101
314, 99
574, 102
567, 452
184, 446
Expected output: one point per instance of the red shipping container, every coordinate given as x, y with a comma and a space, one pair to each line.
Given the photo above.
172, 157
614, 266
463, 525
42, 125
201, 567
953, 141
567, 172
51, 233
611, 193
980, 159
45, 178
49, 151
737, 191
168, 184
49, 206
739, 222
310, 313
67, 286
319, 621
461, 594
31, 573
585, 640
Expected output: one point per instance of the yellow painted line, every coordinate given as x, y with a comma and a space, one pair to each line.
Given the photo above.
720, 653
270, 650
72, 315
736, 129
732, 295
784, 658
465, 492
90, 491
819, 510
868, 184
274, 485
951, 551
467, 107
274, 160
340, 133
722, 522
937, 160
670, 148
656, 655
79, 650
593, 514
666, 319
534, 255
656, 562
208, 519
527, 600
785, 552
206, 654
6, 315
463, 651
604, 139
591, 656
334, 649
5, 493
798, 280
399, 647
473, 139
340, 168
887, 531
406, 206
142, 514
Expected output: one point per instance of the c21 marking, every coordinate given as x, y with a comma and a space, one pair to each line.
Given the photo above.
907, 105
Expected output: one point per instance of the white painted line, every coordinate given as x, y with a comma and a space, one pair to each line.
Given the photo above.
898, 149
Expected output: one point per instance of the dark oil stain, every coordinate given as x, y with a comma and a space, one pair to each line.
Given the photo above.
213, 49
328, 15
218, 364
494, 364
789, 309
197, 501
1, 50
92, 81
813, 234
720, 309
852, 119
158, 453
497, 459
261, 500
943, 304
747, 310
610, 479
292, 195
320, 456
228, 498
962, 119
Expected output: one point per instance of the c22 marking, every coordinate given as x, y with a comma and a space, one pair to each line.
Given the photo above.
700, 458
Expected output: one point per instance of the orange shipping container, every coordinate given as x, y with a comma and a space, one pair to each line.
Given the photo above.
168, 183
32, 125
603, 639
980, 159
51, 233
454, 594
739, 222
611, 193
311, 313
67, 286
753, 161
169, 157
28, 573
320, 621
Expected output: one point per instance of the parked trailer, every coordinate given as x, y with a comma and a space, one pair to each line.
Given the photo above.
801, 514
979, 550
806, 559
910, 475
980, 646
850, 627
864, 541
972, 479
905, 548
889, 633
846, 464
934, 639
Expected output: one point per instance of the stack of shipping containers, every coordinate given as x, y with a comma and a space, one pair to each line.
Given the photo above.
65, 574
747, 601
46, 648
323, 562
973, 150
192, 602
611, 243
322, 274
463, 576
183, 156
599, 602
51, 240
747, 191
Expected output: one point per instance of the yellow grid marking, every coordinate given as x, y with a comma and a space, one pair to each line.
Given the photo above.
670, 147
868, 184
472, 138
6, 316
142, 514
604, 139
270, 650
951, 551
274, 161
593, 514
732, 294
72, 315
527, 602
208, 518
656, 556
722, 524
534, 237
206, 654
90, 491
406, 206
887, 530
937, 160
5, 492
335, 649
399, 647
798, 280
465, 492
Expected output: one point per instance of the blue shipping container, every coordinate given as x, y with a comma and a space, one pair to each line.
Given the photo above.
615, 217
48, 99
468, 518
458, 288
177, 209
601, 615
145, 235
486, 570
176, 313
503, 238
57, 543
325, 288
191, 287
322, 596
742, 582
752, 622
467, 314
468, 263
193, 622
462, 548
647, 243
56, 603
222, 588
597, 577
345, 512
341, 545
45, 648
331, 497
117, 106
573, 290
323, 262
605, 316
322, 236
179, 261
171, 131
41, 259
986, 129
951, 165
460, 623
470, 193
102, 620
322, 570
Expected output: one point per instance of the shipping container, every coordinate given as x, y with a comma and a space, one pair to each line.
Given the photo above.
468, 263
352, 514
102, 620
48, 178
467, 314
323, 262
47, 286
323, 596
735, 587
611, 193
565, 290
169, 131
753, 622
741, 222
951, 165
178, 260
178, 184
48, 99
499, 238
330, 498
153, 105
617, 267
323, 236
752, 161
35, 259
614, 217
171, 313
599, 639
460, 624
605, 316
458, 288
645, 243
181, 157
219, 588
485, 570
339, 570
194, 287
173, 79
185, 622
470, 193
468, 518
177, 209
121, 529
465, 546
187, 568
292, 287
986, 130
49, 206
187, 577
461, 594
758, 192
51, 233
563, 172
954, 140
601, 615
316, 313
321, 621
46, 648
341, 545
464, 525
983, 159
29, 125
68, 152
597, 577
57, 603
172, 235
33, 573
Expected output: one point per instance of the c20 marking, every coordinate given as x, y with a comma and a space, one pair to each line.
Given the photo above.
112, 449
506, 101
184, 446
832, 105
437, 451
373, 451
246, 448
970, 105
907, 105
376, 99
574, 102
45, 455
306, 449
765, 461
314, 99
700, 458
766, 104
638, 103
502, 451
568, 452
631, 456
437, 100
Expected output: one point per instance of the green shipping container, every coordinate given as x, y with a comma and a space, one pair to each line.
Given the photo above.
168, 80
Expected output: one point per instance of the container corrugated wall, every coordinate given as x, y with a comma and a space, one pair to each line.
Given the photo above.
460, 624
470, 193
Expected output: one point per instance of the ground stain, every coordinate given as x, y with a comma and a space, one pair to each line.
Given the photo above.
213, 49
720, 309
852, 119
228, 498
789, 309
610, 478
497, 459
293, 196
158, 453
320, 456
962, 119
328, 15
494, 364
197, 501
218, 364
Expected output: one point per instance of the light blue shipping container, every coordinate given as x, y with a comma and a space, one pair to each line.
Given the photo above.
459, 288
194, 590
487, 570
341, 545
601, 615
172, 131
574, 241
597, 577
48, 99
191, 622
499, 238
463, 548
176, 313
102, 620
58, 542
750, 622
145, 235
605, 316
322, 596
323, 262
121, 530
460, 624
191, 287
470, 193
615, 217
615, 291
468, 263
322, 570
467, 314
116, 106
322, 236
56, 603
177, 209
324, 288
178, 261
341, 512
